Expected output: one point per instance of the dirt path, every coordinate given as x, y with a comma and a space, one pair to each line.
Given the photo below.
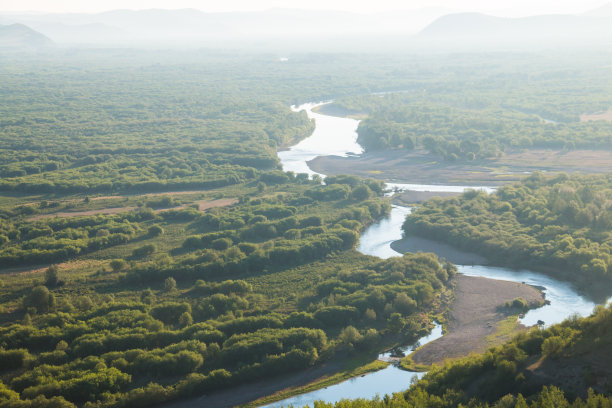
474, 315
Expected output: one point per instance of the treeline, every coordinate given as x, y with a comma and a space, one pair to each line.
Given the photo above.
548, 397
462, 134
559, 224
212, 335
504, 370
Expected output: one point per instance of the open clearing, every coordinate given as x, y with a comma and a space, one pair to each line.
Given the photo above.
418, 166
204, 205
588, 117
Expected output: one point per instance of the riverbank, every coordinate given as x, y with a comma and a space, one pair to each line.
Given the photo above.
478, 318
596, 291
355, 368
418, 166
270, 390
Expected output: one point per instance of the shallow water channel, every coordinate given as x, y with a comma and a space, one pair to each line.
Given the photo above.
337, 136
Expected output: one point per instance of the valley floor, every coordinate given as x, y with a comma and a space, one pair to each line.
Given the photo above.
420, 167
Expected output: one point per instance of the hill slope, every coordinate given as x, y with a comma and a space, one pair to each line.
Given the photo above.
485, 28
190, 25
21, 36
603, 11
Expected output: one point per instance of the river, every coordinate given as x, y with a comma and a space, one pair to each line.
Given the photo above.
338, 136
331, 137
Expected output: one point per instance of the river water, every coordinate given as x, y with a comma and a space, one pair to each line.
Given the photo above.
338, 136
385, 381
331, 137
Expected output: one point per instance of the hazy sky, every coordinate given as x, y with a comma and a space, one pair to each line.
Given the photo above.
499, 7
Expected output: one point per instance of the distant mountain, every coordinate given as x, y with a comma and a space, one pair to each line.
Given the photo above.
19, 36
603, 11
537, 29
190, 25
315, 29
93, 33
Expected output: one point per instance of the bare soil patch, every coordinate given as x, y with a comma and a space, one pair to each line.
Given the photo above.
603, 115
204, 205
475, 312
418, 166
587, 161
411, 197
407, 166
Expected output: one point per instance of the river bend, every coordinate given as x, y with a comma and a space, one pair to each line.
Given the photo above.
338, 136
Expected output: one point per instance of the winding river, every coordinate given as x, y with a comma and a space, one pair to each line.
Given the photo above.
331, 137
338, 136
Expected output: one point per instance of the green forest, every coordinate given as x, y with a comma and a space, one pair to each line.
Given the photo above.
477, 118
558, 224
266, 286
158, 299
153, 250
